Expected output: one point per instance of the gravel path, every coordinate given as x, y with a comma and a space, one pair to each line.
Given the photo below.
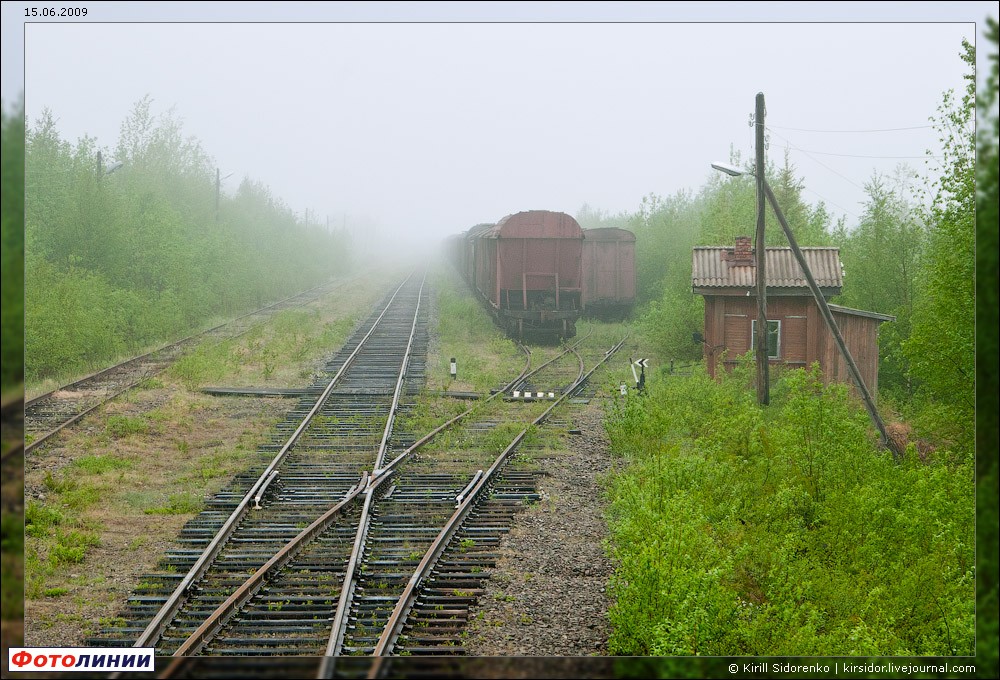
546, 596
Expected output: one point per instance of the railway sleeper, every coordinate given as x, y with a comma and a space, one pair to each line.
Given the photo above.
449, 649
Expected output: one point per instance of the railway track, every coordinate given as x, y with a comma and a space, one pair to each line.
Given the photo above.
430, 615
48, 414
320, 452
368, 540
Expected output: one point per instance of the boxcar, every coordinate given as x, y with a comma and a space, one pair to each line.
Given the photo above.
527, 268
608, 272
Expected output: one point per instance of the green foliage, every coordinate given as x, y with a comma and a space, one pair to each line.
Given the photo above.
785, 531
499, 438
71, 547
12, 307
665, 231
117, 263
668, 229
669, 323
882, 259
12, 533
486, 358
97, 465
120, 427
811, 225
39, 518
210, 361
178, 504
987, 388
941, 347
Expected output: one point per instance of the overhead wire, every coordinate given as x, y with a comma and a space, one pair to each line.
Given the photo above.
812, 153
815, 160
899, 129
851, 155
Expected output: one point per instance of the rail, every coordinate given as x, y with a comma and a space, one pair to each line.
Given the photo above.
160, 620
397, 619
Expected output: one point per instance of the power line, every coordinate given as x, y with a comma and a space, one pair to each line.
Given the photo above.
829, 202
851, 155
815, 160
899, 129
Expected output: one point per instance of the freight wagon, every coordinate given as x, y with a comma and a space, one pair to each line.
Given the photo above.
608, 272
528, 270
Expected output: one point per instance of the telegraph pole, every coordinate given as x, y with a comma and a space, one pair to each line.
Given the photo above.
831, 323
763, 387
218, 189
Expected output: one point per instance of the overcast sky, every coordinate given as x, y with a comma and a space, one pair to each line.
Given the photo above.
427, 128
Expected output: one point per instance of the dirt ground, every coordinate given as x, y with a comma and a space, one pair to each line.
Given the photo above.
107, 497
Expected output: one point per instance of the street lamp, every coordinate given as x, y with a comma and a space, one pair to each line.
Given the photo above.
731, 170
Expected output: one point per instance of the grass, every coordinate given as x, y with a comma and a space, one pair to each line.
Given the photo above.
162, 448
485, 358
283, 350
98, 464
178, 504
120, 427
39, 519
71, 547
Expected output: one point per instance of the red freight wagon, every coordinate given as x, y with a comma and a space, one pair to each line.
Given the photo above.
608, 272
528, 269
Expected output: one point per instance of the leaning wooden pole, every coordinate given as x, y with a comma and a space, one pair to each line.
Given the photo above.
831, 323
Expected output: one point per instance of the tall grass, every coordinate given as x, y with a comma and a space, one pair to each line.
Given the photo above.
783, 531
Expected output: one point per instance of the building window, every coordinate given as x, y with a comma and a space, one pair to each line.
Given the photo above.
773, 338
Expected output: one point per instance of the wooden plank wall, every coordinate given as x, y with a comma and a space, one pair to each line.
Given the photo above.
804, 337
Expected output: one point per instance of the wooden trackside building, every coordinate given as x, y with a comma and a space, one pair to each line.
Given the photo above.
797, 335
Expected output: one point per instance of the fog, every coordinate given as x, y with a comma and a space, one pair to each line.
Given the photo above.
407, 132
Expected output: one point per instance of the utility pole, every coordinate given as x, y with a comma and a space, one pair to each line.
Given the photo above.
831, 323
218, 190
763, 387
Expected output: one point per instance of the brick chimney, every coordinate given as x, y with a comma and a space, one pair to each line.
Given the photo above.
744, 250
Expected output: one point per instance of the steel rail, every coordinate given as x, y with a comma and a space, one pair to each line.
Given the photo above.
445, 425
136, 362
197, 640
161, 619
397, 619
557, 357
150, 353
210, 627
214, 623
364, 522
390, 421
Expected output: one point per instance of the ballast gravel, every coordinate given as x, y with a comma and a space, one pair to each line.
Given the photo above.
547, 594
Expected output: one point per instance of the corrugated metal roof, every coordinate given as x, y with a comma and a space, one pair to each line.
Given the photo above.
713, 268
861, 312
